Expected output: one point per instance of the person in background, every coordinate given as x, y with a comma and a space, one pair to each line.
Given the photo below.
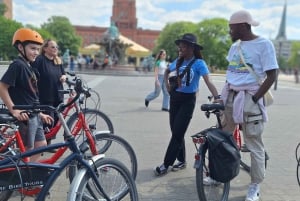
18, 86
66, 58
51, 77
242, 95
191, 65
72, 63
159, 70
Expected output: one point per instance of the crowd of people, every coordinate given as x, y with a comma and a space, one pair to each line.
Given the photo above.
38, 73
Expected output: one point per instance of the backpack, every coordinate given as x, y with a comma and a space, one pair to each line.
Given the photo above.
223, 154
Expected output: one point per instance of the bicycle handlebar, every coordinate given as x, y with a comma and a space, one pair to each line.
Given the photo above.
85, 91
36, 107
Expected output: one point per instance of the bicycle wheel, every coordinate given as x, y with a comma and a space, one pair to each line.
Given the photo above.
119, 149
298, 163
115, 181
96, 119
5, 195
214, 192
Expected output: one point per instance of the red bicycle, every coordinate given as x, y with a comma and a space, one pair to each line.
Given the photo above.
91, 141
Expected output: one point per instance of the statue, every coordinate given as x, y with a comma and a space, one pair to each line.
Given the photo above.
114, 48
113, 31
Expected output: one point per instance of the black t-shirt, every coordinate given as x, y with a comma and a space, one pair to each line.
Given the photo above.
22, 82
49, 80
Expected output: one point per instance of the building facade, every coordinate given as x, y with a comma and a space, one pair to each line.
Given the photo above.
124, 17
8, 14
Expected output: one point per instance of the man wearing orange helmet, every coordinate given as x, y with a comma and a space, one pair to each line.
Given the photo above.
18, 86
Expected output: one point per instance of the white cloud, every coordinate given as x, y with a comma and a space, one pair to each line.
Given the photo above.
155, 14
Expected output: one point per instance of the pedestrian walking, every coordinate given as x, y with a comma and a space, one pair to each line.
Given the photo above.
159, 82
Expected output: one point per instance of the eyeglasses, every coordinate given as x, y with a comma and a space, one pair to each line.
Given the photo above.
54, 47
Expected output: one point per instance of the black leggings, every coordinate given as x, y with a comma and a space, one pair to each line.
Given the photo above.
181, 111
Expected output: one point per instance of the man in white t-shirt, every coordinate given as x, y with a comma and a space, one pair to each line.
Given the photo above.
243, 95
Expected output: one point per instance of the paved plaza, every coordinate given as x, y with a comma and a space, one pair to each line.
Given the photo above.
147, 130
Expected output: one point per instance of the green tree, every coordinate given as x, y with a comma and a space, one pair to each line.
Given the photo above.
214, 37
61, 28
212, 34
294, 60
170, 33
3, 9
7, 30
44, 33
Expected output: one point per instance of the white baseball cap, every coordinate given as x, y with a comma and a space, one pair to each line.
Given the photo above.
242, 16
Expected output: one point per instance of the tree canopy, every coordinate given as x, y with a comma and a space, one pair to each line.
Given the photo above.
170, 33
7, 30
64, 33
294, 60
212, 34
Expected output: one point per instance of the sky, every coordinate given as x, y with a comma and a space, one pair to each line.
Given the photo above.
155, 14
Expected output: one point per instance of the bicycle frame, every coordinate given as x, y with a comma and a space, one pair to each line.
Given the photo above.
17, 161
81, 123
6, 164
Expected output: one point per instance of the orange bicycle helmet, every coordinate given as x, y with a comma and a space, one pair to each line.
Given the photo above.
26, 35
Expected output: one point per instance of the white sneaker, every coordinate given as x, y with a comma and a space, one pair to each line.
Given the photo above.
253, 192
208, 181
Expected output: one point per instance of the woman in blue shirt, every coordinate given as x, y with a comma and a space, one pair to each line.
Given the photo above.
191, 66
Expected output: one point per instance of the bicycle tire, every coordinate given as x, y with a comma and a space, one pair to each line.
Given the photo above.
298, 163
119, 149
5, 195
85, 188
99, 118
215, 192
298, 171
94, 117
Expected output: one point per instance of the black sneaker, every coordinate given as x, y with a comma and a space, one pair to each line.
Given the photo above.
146, 103
179, 166
160, 170
165, 109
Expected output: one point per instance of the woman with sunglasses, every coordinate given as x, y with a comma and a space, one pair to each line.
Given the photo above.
51, 76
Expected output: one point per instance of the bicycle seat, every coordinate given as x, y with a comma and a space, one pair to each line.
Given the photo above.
6, 117
212, 106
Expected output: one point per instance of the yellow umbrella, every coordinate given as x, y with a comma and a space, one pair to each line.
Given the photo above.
135, 50
90, 49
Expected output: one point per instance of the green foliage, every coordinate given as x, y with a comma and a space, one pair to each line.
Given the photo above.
64, 33
212, 34
214, 37
7, 30
294, 60
44, 33
3, 9
170, 33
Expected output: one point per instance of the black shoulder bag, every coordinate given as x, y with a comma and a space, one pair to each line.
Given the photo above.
173, 81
